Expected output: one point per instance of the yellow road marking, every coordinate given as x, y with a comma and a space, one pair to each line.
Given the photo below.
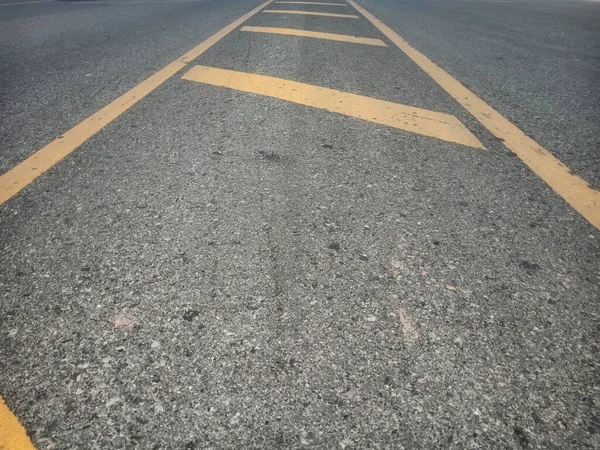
24, 173
12, 434
573, 189
315, 34
416, 120
309, 13
312, 3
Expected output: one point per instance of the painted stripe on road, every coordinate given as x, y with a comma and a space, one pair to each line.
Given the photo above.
309, 13
12, 434
316, 34
416, 120
573, 189
312, 3
13, 181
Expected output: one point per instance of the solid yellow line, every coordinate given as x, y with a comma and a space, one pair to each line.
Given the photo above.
416, 120
312, 3
24, 173
12, 434
315, 34
573, 189
309, 13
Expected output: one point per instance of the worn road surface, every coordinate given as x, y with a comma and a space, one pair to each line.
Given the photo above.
234, 224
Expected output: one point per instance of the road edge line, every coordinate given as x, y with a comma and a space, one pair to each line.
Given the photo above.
20, 176
572, 188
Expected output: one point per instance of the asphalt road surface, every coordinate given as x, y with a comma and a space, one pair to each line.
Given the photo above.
227, 224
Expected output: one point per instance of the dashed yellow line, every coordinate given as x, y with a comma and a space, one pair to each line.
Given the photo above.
24, 173
416, 120
573, 189
312, 3
316, 34
12, 434
309, 13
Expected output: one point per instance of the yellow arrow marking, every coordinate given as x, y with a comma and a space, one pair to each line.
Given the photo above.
309, 13
315, 34
12, 434
416, 120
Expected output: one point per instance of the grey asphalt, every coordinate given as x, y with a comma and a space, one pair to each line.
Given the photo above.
218, 269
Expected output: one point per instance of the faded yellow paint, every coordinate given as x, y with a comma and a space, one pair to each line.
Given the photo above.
312, 3
573, 189
12, 434
309, 13
17, 178
408, 329
416, 120
316, 34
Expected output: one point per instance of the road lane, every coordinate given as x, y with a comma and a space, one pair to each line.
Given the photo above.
217, 268
536, 63
20, 176
63, 61
575, 190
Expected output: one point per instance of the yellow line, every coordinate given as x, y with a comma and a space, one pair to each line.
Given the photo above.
311, 3
24, 173
309, 13
573, 189
12, 434
428, 123
315, 34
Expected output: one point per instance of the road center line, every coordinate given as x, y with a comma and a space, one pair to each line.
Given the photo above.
315, 34
309, 13
12, 434
573, 189
416, 120
17, 178
312, 3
